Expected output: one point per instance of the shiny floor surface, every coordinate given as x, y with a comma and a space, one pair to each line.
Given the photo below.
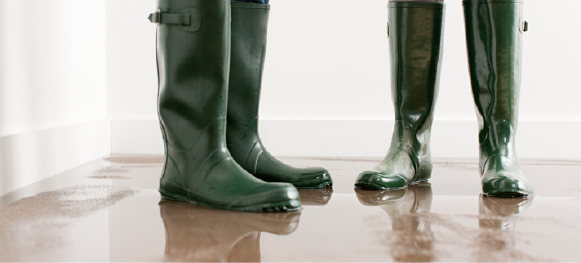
110, 210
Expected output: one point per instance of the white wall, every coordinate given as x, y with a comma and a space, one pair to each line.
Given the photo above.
52, 88
327, 60
53, 63
131, 68
330, 61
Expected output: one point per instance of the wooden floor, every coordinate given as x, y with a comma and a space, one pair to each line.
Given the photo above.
110, 210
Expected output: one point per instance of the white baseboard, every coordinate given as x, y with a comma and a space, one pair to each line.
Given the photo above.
27, 158
367, 138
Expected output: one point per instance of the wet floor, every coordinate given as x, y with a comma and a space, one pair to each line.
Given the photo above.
109, 210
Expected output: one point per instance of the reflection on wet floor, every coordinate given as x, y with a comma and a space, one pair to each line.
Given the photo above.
195, 233
315, 197
109, 210
37, 223
497, 222
411, 238
227, 236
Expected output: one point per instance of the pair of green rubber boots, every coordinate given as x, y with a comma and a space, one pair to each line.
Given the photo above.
210, 61
210, 57
493, 38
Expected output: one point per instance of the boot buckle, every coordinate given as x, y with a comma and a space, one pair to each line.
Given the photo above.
158, 12
155, 17
523, 26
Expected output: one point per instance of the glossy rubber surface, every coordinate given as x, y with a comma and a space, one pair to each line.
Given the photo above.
494, 43
416, 41
193, 81
249, 29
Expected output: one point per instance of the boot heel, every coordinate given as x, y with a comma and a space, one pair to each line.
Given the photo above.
424, 172
173, 192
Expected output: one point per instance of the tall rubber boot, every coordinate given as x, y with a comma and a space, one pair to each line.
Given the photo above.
249, 27
416, 39
494, 38
193, 59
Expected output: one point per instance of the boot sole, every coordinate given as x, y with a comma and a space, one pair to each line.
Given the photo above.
273, 207
319, 186
507, 193
373, 186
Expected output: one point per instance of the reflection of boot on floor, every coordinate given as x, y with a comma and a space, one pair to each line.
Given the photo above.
494, 39
315, 197
502, 210
416, 39
249, 27
193, 55
196, 233
496, 240
411, 239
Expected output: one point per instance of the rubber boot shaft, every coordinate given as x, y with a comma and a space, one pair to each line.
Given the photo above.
249, 32
494, 31
193, 58
416, 42
420, 1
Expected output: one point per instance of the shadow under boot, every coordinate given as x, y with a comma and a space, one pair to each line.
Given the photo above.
415, 32
200, 234
411, 238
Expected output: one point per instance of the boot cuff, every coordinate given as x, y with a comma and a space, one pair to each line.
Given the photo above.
477, 2
416, 5
249, 5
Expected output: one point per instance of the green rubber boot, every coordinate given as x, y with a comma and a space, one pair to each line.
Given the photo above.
193, 59
415, 38
494, 38
249, 26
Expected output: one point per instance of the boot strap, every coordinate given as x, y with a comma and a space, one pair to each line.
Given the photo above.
170, 18
189, 18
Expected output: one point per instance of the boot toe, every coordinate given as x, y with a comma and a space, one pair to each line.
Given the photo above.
505, 185
372, 180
